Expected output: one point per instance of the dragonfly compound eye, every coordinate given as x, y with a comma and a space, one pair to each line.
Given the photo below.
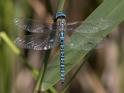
60, 14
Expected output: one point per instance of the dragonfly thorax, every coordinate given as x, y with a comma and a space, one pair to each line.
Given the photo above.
61, 24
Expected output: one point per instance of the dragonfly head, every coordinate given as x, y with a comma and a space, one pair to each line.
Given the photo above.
59, 15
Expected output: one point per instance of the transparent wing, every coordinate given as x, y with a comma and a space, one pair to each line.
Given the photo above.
91, 26
34, 26
87, 27
36, 42
73, 25
84, 37
87, 43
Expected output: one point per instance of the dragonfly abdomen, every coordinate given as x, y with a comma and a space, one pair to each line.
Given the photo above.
62, 71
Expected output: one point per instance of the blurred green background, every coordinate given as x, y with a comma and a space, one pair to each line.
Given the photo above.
103, 72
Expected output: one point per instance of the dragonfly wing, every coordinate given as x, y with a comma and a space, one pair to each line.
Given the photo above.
87, 27
36, 42
34, 26
72, 26
86, 32
84, 37
91, 26
76, 42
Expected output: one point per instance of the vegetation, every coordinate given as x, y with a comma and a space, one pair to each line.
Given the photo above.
27, 71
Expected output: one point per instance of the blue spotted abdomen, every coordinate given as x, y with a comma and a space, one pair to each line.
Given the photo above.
62, 71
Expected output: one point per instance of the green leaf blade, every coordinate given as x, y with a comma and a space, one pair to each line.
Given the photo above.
109, 9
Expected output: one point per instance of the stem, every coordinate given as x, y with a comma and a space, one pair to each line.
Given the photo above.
46, 59
52, 90
38, 87
60, 5
7, 40
10, 44
34, 71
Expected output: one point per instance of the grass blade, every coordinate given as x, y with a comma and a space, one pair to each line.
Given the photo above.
113, 12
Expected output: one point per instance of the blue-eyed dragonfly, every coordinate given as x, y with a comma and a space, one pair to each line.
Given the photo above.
49, 35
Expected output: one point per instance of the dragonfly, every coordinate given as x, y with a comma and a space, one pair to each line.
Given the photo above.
50, 35
46, 36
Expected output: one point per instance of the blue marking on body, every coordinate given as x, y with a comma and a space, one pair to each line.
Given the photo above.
62, 51
62, 75
62, 71
62, 56
62, 45
62, 59
62, 66
60, 14
61, 35
62, 27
